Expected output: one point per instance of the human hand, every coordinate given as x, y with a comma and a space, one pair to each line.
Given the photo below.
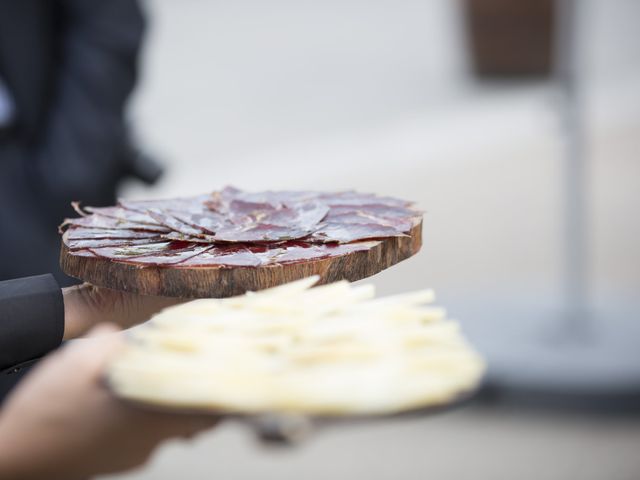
87, 305
61, 422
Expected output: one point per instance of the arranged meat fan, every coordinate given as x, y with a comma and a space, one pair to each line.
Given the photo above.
237, 229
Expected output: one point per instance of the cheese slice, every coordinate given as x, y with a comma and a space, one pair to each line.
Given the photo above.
328, 350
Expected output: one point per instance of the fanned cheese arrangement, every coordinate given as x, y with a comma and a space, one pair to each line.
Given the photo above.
331, 350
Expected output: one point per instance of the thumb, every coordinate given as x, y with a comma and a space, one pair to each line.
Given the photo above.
94, 350
103, 330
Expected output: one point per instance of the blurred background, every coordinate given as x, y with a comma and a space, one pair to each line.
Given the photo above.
514, 125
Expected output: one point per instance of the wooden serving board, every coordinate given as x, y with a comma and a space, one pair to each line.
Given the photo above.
219, 282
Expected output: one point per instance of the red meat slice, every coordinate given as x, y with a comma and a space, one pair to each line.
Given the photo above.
180, 203
230, 257
159, 211
341, 233
350, 198
81, 233
102, 222
123, 214
166, 258
259, 233
204, 219
175, 224
360, 217
127, 251
295, 254
109, 242
264, 217
177, 236
377, 210
302, 215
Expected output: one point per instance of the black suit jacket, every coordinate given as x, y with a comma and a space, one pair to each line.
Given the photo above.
69, 67
31, 325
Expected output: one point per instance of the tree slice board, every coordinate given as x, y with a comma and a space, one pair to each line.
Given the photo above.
220, 281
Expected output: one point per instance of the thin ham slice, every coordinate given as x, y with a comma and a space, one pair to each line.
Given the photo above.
259, 233
364, 218
102, 222
221, 256
180, 203
109, 242
203, 220
128, 251
81, 233
167, 257
171, 222
177, 236
345, 233
295, 254
350, 198
123, 214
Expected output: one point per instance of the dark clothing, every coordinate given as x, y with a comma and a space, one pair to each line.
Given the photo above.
31, 325
69, 67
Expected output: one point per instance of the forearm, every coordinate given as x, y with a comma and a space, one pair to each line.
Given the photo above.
77, 320
36, 315
17, 458
87, 305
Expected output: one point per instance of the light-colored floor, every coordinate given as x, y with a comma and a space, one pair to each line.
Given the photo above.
373, 95
466, 444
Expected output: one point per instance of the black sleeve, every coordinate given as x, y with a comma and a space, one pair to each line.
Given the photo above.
84, 148
31, 322
70, 67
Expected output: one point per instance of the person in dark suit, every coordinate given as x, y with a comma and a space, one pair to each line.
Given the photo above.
36, 316
67, 69
61, 421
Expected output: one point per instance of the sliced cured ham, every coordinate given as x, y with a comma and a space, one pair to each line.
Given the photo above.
359, 199
232, 228
177, 236
345, 233
261, 232
304, 216
181, 203
167, 257
102, 222
221, 256
249, 214
173, 224
127, 251
203, 220
82, 233
108, 242
123, 214
365, 218
377, 210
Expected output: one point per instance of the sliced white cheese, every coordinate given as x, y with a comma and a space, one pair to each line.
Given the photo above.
328, 350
